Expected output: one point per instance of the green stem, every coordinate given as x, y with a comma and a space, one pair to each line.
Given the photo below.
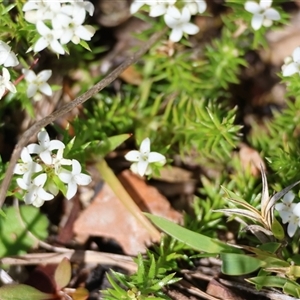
111, 179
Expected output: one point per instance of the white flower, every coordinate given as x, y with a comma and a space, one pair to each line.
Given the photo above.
289, 212
196, 6
74, 178
7, 57
285, 209
48, 37
41, 10
45, 147
180, 25
27, 166
143, 158
35, 193
37, 82
5, 83
263, 14
292, 64
73, 30
59, 161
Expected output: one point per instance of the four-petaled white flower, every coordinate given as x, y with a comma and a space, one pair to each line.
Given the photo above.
49, 38
180, 25
289, 213
5, 83
263, 13
37, 82
35, 193
27, 167
45, 147
292, 64
143, 158
7, 57
73, 178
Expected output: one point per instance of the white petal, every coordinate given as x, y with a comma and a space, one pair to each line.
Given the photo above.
72, 189
156, 157
135, 6
42, 28
11, 60
44, 195
252, 7
46, 157
31, 90
76, 167
57, 47
288, 197
185, 15
265, 3
285, 216
174, 12
40, 180
40, 45
290, 69
37, 202
82, 179
65, 176
170, 21
201, 6
296, 210
29, 75
56, 144
257, 21
25, 156
46, 89
133, 155
157, 10
22, 184
142, 167
35, 167
44, 75
34, 148
176, 35
292, 227
272, 14
190, 28
11, 87
5, 74
296, 55
43, 138
145, 146
83, 33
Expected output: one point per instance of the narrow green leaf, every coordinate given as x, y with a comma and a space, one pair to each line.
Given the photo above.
22, 292
239, 264
277, 230
195, 240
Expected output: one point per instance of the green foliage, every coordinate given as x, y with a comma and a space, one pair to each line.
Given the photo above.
15, 238
146, 283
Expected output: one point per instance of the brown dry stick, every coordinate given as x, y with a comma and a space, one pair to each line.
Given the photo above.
36, 127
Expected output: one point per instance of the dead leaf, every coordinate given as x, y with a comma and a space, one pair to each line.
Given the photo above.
107, 217
219, 290
250, 158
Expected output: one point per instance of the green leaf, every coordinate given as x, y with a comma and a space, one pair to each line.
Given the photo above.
62, 275
15, 238
277, 230
104, 147
195, 240
239, 264
22, 292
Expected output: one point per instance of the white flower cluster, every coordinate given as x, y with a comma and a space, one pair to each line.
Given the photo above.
289, 212
177, 14
263, 13
59, 22
7, 59
143, 159
38, 172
